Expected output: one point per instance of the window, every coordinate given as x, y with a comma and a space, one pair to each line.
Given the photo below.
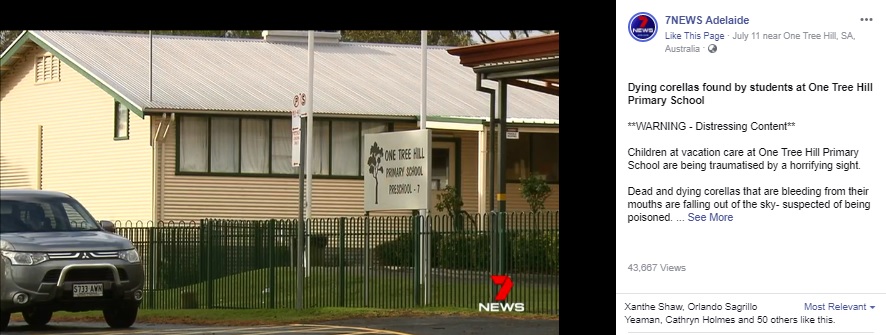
47, 69
346, 156
255, 146
321, 146
369, 128
533, 153
43, 214
263, 146
121, 121
193, 148
224, 139
281, 146
337, 149
76, 218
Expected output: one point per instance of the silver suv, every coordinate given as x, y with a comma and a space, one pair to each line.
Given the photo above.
57, 257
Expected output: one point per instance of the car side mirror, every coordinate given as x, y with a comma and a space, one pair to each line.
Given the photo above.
108, 226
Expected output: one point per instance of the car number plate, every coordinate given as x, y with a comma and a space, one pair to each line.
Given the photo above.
88, 290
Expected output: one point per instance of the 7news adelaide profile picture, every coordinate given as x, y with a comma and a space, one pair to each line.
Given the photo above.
505, 284
643, 26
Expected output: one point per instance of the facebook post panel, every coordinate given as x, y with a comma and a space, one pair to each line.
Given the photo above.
750, 145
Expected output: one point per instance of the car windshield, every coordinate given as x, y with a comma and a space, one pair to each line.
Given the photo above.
44, 214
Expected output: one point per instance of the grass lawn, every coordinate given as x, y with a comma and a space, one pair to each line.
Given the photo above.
239, 317
378, 288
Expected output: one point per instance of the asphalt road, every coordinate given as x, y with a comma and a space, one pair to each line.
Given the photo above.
457, 325
377, 326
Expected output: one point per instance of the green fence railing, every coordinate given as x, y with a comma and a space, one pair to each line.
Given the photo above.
365, 261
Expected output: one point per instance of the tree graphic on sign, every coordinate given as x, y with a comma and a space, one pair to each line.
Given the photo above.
375, 155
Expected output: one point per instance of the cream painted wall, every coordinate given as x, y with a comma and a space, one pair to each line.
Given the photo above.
76, 152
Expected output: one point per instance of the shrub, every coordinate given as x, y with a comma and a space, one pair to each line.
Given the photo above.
450, 201
464, 251
535, 252
535, 190
401, 251
525, 251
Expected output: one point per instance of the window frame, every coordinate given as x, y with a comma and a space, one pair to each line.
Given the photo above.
389, 126
117, 112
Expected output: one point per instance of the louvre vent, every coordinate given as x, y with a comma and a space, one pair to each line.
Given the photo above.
48, 69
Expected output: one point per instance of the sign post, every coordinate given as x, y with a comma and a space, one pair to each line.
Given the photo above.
297, 152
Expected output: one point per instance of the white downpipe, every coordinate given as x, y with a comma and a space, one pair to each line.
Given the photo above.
423, 212
424, 80
481, 172
309, 155
159, 126
166, 131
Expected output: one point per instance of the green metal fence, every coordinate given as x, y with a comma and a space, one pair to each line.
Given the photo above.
366, 261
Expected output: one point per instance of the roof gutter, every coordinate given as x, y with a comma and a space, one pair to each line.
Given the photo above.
281, 114
541, 67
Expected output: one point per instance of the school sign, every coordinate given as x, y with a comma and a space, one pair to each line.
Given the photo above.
397, 171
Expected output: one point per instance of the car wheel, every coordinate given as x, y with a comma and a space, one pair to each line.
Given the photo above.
4, 320
122, 316
36, 317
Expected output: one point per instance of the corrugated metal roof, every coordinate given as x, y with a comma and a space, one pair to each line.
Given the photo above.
252, 75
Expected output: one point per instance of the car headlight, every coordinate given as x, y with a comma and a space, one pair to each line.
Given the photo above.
130, 255
25, 258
